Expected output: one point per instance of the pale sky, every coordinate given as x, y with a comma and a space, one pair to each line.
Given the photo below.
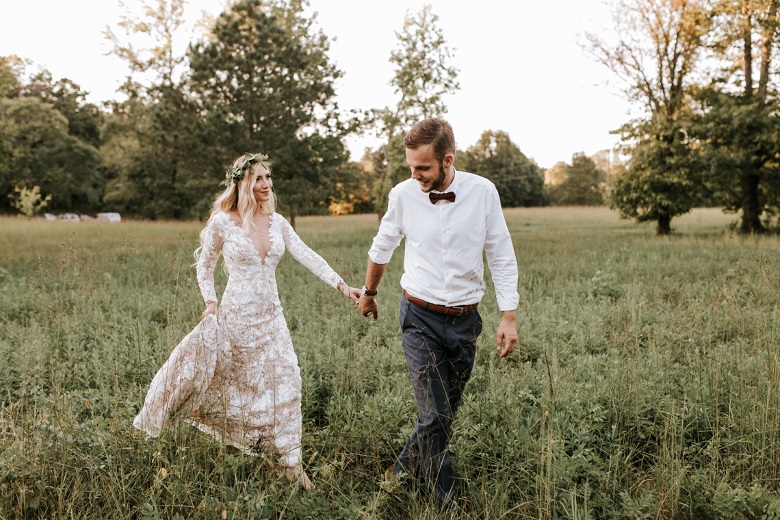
522, 68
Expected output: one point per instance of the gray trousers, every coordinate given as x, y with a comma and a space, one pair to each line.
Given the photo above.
439, 352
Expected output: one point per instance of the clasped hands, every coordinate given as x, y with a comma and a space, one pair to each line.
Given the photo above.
368, 307
350, 292
506, 335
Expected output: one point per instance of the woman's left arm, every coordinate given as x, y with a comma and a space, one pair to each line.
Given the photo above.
314, 262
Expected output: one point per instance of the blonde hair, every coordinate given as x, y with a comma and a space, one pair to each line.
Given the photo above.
238, 196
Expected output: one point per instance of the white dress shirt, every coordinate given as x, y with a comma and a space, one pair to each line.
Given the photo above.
444, 243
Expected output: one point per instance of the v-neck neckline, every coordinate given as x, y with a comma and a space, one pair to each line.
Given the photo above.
249, 241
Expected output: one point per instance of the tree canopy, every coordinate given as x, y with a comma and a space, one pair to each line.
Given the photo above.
518, 179
578, 184
41, 152
702, 71
658, 46
423, 77
263, 83
660, 178
260, 78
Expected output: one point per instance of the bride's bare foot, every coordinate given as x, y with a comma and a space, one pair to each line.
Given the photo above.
298, 475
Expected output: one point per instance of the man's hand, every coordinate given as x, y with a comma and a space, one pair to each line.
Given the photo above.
506, 336
367, 306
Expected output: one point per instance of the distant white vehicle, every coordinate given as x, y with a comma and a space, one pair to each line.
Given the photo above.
69, 217
109, 217
50, 217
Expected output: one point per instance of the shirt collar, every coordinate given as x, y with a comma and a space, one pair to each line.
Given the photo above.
453, 187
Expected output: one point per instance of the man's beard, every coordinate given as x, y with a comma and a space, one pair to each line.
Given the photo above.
439, 182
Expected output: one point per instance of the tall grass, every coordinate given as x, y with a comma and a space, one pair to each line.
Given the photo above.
646, 385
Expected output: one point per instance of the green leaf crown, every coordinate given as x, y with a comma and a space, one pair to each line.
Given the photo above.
237, 172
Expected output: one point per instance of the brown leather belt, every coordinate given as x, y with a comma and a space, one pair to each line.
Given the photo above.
441, 309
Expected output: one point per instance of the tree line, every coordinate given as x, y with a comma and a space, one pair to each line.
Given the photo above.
259, 79
704, 75
701, 72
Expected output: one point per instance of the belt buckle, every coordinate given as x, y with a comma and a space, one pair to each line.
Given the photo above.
460, 310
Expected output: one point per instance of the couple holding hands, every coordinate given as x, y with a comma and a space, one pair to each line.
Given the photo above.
236, 375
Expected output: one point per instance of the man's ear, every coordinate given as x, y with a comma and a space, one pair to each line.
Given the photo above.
448, 160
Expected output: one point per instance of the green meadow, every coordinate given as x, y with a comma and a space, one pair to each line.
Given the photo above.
646, 383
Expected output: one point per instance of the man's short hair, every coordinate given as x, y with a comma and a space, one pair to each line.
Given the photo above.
434, 131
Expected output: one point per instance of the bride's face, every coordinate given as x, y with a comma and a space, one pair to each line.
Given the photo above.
262, 184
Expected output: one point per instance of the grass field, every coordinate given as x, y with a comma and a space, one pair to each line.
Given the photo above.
646, 385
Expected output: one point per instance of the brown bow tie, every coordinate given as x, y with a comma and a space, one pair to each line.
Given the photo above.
436, 197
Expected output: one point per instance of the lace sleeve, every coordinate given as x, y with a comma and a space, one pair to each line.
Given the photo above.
207, 259
306, 256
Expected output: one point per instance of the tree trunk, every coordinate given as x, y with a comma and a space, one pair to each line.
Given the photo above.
767, 39
292, 215
664, 225
380, 203
747, 48
751, 206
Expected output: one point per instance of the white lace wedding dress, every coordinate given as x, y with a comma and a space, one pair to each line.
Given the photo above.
236, 377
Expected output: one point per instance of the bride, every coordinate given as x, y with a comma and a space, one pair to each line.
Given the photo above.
236, 375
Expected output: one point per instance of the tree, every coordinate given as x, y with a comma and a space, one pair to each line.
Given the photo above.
156, 58
35, 147
581, 184
389, 167
423, 77
352, 190
158, 149
9, 80
45, 154
608, 162
659, 45
29, 201
659, 178
518, 179
161, 161
739, 138
84, 119
746, 30
263, 87
9, 83
556, 174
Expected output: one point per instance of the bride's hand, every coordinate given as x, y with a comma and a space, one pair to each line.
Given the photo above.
211, 308
350, 292
354, 294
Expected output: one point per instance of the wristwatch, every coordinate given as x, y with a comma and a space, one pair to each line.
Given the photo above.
369, 293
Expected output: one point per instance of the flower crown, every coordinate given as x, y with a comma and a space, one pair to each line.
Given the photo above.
235, 173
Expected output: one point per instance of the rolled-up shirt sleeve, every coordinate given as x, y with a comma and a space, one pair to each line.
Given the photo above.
390, 232
500, 255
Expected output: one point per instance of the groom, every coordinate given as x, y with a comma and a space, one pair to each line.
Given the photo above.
449, 218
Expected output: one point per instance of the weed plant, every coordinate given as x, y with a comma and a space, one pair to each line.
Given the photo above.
646, 384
